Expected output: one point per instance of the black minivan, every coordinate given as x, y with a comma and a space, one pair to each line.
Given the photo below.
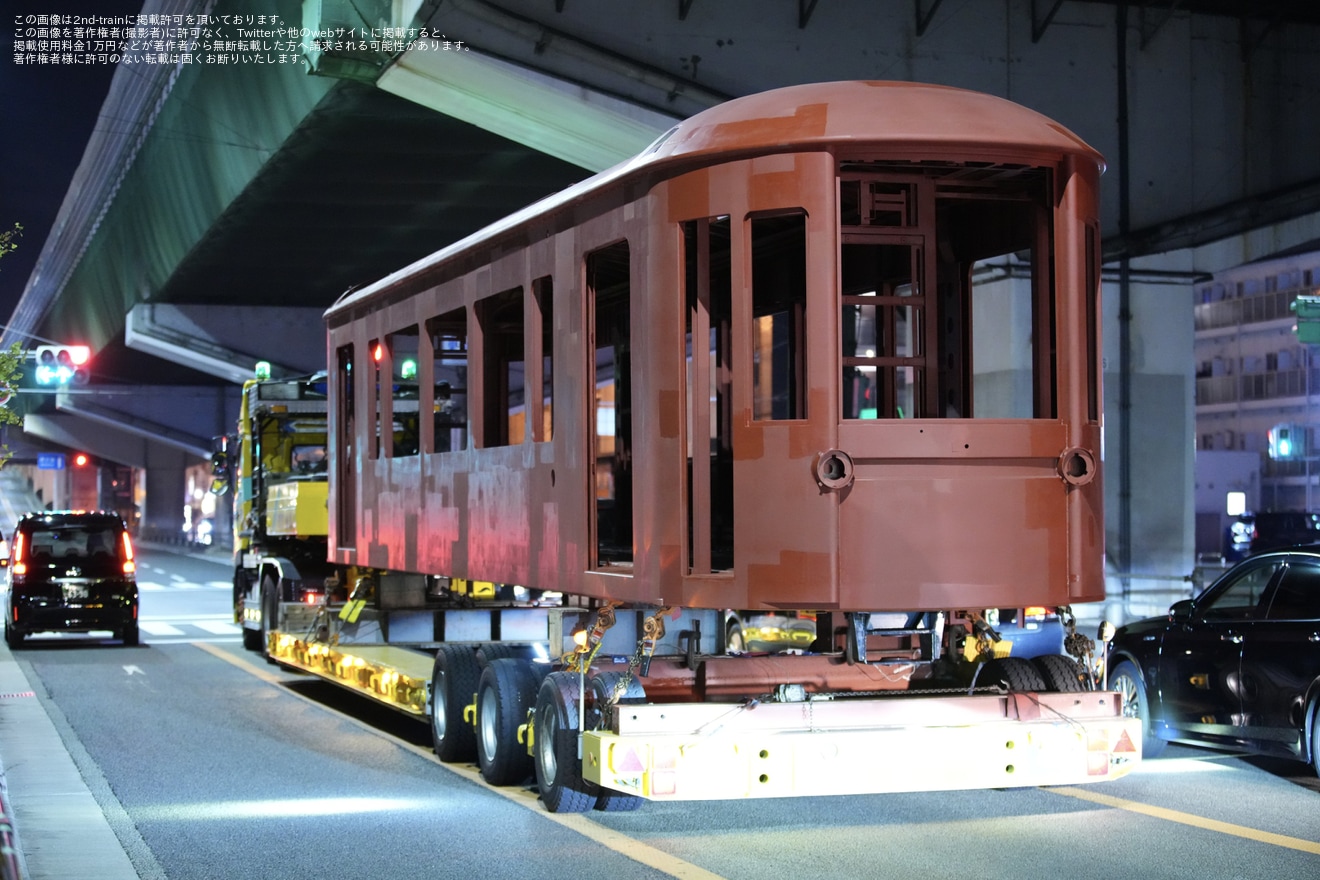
71, 571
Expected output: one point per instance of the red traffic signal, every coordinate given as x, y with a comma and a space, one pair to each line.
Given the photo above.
62, 364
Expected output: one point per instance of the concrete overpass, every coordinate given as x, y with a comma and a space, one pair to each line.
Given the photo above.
220, 208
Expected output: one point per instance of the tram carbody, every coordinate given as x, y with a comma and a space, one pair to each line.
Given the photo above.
826, 354
828, 347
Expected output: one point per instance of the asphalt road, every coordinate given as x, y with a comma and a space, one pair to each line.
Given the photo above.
221, 766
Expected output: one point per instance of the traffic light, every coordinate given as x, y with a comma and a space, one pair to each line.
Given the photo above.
1287, 442
59, 365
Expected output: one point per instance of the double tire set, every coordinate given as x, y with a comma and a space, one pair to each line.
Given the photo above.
1051, 672
507, 687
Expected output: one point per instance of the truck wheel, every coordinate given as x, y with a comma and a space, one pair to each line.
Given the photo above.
602, 687
491, 651
505, 692
1060, 673
453, 685
1015, 672
734, 641
1126, 679
558, 768
13, 638
131, 636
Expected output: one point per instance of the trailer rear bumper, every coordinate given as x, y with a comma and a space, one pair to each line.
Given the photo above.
740, 755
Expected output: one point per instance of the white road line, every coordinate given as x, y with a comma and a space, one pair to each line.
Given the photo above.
149, 585
159, 629
217, 627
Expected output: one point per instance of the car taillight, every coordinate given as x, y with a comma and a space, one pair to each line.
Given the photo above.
129, 565
20, 555
1038, 612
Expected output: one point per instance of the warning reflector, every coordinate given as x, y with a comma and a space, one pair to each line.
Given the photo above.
630, 762
1124, 743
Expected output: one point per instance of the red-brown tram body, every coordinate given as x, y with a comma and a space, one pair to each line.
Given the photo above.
831, 347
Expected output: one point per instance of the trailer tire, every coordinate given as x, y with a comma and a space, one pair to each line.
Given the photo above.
453, 686
1125, 678
558, 767
735, 642
602, 688
1015, 672
505, 693
1060, 673
492, 651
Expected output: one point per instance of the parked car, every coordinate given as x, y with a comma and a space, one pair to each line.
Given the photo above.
1237, 667
70, 571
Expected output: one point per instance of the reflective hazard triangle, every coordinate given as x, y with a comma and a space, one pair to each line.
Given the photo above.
630, 762
1124, 743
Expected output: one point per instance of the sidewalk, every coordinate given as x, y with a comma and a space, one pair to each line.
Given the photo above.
59, 828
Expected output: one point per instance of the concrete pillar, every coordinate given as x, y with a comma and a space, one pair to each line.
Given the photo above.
165, 493
1160, 457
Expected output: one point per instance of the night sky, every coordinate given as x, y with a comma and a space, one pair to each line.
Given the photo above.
47, 114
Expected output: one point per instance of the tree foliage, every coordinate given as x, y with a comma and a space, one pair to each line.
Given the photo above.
11, 359
8, 243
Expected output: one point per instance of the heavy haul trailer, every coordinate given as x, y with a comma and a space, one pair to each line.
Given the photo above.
830, 349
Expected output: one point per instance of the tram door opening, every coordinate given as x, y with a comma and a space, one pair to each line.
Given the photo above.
707, 283
347, 466
608, 293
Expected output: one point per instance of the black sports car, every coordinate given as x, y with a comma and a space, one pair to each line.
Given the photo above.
1237, 667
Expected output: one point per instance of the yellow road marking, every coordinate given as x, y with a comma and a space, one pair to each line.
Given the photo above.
1191, 819
528, 800
264, 674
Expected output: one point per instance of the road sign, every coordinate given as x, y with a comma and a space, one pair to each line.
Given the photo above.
50, 461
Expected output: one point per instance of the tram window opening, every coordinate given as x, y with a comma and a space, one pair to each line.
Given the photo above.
345, 439
543, 293
882, 326
378, 370
504, 374
996, 335
779, 301
708, 316
877, 203
1092, 317
609, 293
979, 341
403, 348
448, 333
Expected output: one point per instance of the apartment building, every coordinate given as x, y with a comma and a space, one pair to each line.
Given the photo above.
1257, 393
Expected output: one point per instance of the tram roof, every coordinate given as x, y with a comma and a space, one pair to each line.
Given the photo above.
909, 118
